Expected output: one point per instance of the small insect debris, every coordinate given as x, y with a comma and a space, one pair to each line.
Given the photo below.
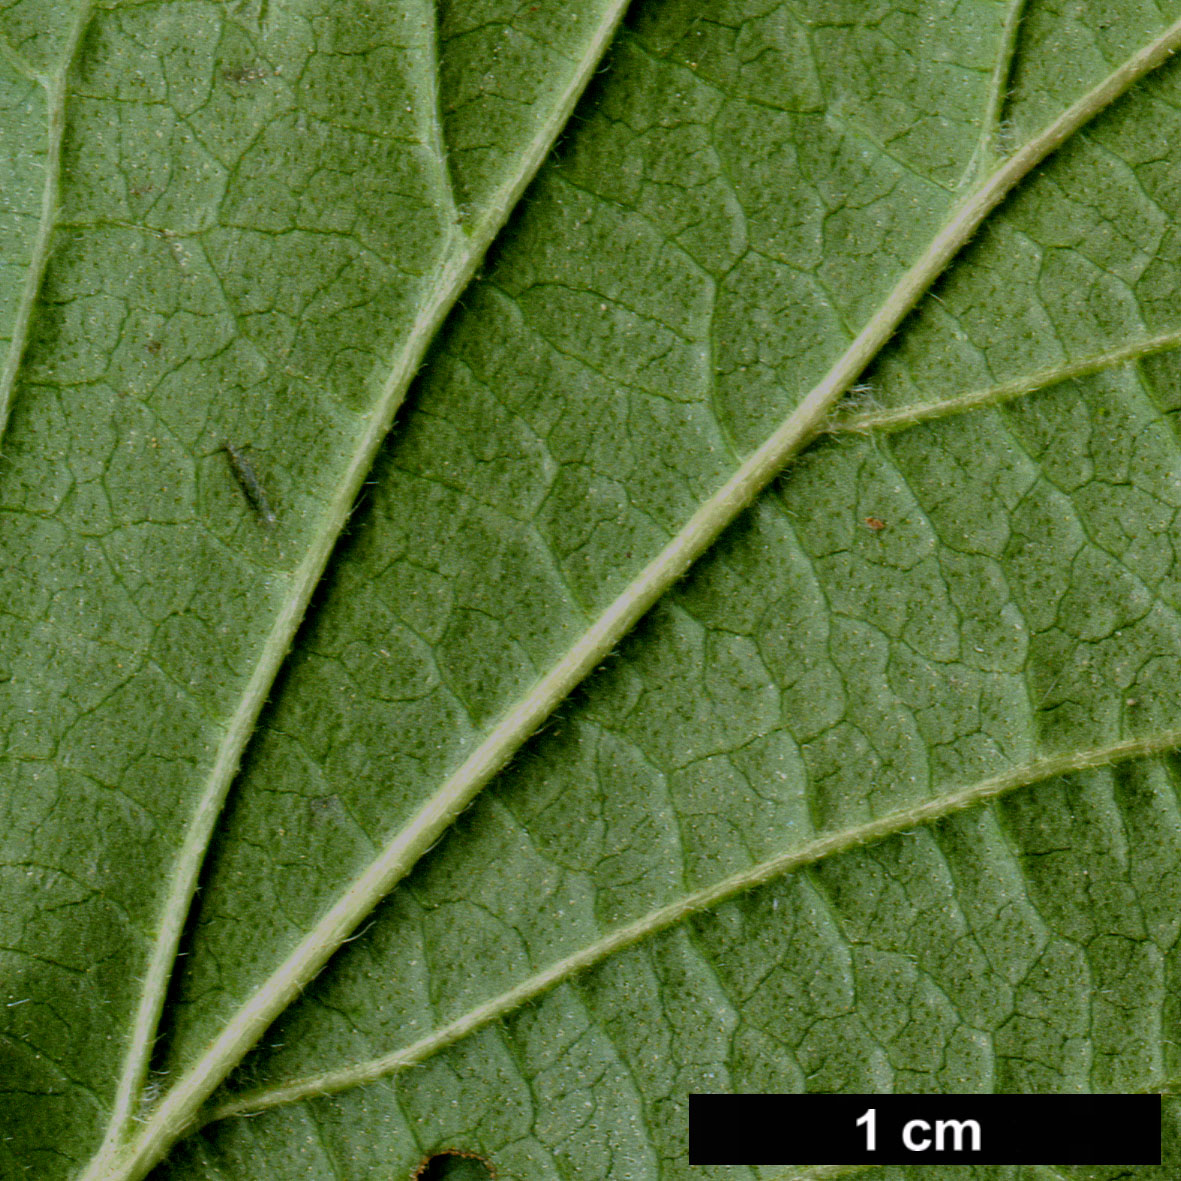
250, 484
875, 523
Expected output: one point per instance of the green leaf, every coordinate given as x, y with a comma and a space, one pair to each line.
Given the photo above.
881, 796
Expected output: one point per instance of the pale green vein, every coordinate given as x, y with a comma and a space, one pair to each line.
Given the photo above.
55, 103
829, 845
1050, 1171
131, 1149
821, 1172
429, 80
179, 1108
989, 150
908, 416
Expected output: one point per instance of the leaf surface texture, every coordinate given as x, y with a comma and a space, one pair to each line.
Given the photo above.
881, 796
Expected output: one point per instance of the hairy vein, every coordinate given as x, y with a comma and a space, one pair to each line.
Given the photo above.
821, 1172
1001, 78
908, 416
429, 72
989, 149
829, 845
124, 1158
1050, 1171
179, 1109
55, 103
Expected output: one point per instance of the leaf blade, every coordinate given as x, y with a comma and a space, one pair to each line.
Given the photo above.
1030, 435
502, 187
829, 845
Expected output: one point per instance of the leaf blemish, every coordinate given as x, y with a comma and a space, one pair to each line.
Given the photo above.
250, 484
435, 1167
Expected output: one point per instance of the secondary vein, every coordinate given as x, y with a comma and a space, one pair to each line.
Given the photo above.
907, 416
661, 919
55, 103
117, 1158
429, 73
178, 1110
989, 149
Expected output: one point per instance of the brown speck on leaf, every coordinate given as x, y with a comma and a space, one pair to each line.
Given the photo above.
875, 523
154, 347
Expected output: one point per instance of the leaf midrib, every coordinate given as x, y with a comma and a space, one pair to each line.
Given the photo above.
176, 1113
468, 245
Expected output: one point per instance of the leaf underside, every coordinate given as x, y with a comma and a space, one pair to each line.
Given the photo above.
882, 796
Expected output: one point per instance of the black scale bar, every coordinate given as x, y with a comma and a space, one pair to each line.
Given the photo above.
925, 1129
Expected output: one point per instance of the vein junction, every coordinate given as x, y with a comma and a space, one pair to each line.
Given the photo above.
821, 848
692, 541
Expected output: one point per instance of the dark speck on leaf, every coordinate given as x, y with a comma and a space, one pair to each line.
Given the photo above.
250, 484
441, 1166
875, 523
